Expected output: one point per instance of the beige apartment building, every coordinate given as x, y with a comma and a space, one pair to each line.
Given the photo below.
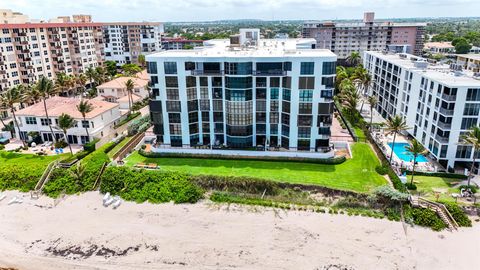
29, 50
126, 41
368, 35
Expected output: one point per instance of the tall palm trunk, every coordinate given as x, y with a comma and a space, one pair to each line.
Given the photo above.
86, 129
18, 127
393, 146
371, 117
48, 120
413, 169
470, 174
66, 140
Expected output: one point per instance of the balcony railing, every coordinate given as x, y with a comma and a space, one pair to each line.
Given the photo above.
444, 125
199, 72
446, 111
441, 139
449, 97
270, 73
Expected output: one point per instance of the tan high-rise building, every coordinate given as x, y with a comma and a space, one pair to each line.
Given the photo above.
30, 50
368, 35
124, 42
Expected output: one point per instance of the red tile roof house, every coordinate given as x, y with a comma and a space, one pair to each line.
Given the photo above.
100, 121
116, 90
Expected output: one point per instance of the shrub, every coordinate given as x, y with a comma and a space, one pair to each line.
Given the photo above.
389, 193
382, 170
152, 186
336, 160
236, 184
61, 144
90, 146
457, 213
440, 174
128, 119
138, 125
424, 217
411, 186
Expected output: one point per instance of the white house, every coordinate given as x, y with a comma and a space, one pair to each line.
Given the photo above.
100, 121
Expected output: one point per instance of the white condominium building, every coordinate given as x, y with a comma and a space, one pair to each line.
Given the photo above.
125, 41
244, 92
439, 102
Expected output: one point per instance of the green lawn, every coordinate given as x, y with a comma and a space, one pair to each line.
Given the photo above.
427, 184
357, 174
118, 147
22, 171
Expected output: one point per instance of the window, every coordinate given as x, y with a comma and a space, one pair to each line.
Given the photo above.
286, 94
171, 81
471, 109
328, 82
85, 124
176, 129
306, 83
170, 67
173, 106
329, 68
31, 120
174, 118
305, 108
172, 94
274, 93
45, 121
473, 94
304, 132
463, 151
467, 123
304, 120
307, 68
306, 95
152, 67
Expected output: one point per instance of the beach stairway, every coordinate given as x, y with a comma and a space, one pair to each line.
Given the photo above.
127, 148
439, 208
96, 185
44, 179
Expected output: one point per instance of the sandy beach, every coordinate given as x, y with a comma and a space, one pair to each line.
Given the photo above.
79, 233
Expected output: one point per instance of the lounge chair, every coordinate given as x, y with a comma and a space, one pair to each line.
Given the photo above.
106, 197
2, 197
15, 200
117, 202
108, 202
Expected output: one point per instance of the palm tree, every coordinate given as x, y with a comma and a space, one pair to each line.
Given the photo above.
395, 125
101, 75
66, 122
10, 98
416, 149
81, 81
354, 58
46, 89
31, 94
91, 75
79, 172
84, 107
141, 60
130, 85
472, 137
62, 83
342, 74
372, 101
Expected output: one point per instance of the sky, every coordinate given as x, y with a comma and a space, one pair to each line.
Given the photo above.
207, 10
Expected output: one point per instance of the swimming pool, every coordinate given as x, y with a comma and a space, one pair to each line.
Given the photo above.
403, 154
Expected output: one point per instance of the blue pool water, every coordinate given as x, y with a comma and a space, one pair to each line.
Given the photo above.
403, 154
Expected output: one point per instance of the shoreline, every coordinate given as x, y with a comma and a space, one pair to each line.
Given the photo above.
79, 233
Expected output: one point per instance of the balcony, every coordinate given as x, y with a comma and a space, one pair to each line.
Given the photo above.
441, 139
449, 97
198, 72
270, 73
444, 125
446, 111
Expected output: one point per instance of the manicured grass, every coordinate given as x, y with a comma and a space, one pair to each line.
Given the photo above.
22, 171
357, 174
118, 147
427, 184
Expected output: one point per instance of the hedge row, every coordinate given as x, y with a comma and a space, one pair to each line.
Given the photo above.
128, 119
335, 160
440, 174
424, 217
457, 213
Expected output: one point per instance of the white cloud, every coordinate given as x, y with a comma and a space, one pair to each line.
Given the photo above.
194, 10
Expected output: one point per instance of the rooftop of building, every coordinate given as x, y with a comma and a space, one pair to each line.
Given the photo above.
363, 24
444, 44
132, 23
470, 56
140, 80
438, 72
58, 105
179, 39
268, 48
